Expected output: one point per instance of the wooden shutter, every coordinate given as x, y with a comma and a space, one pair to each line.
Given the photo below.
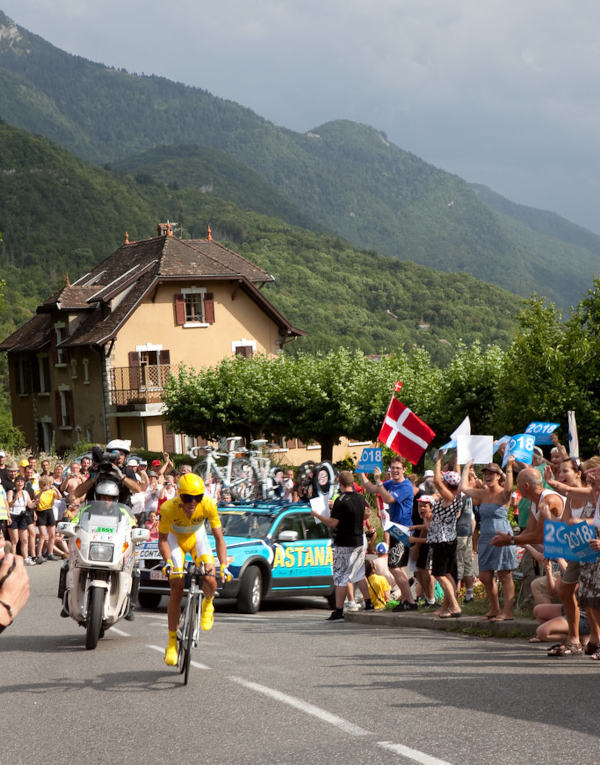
179, 310
134, 370
59, 421
70, 408
46, 368
209, 308
35, 375
168, 440
53, 350
164, 357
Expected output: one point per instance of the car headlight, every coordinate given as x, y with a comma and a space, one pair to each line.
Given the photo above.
101, 552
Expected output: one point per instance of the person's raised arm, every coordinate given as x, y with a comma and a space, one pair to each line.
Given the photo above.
443, 490
466, 484
377, 487
509, 480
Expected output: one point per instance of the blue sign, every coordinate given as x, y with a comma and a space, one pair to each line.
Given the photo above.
520, 447
399, 532
571, 542
499, 442
370, 459
542, 431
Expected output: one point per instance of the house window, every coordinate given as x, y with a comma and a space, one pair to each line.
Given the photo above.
60, 355
73, 369
149, 369
194, 307
243, 347
43, 370
86, 373
23, 376
64, 408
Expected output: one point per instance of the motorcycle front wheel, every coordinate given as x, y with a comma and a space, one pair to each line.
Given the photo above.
94, 617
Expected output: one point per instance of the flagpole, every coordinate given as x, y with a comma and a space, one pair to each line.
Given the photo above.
397, 387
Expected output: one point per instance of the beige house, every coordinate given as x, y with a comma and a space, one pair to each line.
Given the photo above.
92, 363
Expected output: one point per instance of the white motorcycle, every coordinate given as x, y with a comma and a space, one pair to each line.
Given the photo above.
97, 586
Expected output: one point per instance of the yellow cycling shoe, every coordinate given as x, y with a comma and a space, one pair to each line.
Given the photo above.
171, 654
207, 615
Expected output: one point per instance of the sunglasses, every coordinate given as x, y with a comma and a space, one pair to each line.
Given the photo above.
191, 497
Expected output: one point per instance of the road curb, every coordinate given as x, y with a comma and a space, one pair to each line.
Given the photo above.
476, 625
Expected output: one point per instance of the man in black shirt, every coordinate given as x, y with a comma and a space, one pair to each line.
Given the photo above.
346, 520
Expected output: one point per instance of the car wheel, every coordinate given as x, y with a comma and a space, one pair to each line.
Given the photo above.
250, 594
149, 599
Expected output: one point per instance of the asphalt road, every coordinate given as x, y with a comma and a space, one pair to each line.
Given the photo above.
285, 686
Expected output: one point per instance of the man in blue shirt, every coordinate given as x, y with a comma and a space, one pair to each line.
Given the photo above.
398, 493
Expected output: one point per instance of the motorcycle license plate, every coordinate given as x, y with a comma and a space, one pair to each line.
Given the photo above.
158, 575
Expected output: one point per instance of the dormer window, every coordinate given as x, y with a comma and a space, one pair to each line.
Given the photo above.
61, 355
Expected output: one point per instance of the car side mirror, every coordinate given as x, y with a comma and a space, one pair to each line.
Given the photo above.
140, 535
66, 528
288, 536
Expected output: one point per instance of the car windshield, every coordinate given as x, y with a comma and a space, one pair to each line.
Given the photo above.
103, 515
245, 524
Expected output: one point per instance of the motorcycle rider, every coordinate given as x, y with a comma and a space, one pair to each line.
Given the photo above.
180, 531
106, 489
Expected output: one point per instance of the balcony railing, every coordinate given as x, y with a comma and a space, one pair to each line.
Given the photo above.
128, 386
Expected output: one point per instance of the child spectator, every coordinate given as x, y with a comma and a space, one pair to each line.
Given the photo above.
152, 524
379, 587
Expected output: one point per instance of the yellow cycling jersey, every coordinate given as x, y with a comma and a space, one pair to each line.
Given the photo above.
173, 518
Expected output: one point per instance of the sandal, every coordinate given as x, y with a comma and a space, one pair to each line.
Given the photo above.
595, 656
566, 649
591, 648
450, 615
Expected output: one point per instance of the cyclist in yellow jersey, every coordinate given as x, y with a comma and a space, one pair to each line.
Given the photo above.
180, 531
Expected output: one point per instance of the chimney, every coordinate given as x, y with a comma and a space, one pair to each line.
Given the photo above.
209, 234
126, 240
165, 229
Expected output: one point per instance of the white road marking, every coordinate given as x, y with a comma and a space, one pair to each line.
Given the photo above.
303, 706
120, 632
150, 616
193, 663
412, 754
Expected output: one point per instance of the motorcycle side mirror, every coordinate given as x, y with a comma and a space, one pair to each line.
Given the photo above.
140, 535
65, 528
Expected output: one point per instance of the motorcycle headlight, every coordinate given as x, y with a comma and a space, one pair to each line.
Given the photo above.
101, 552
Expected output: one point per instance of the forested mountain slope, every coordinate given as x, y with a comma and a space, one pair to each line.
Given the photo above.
59, 214
345, 177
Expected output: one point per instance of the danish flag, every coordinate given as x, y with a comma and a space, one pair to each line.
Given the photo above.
403, 432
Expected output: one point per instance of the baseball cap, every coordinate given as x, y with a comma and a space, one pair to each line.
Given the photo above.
2, 454
156, 463
381, 548
426, 498
24, 463
451, 477
428, 474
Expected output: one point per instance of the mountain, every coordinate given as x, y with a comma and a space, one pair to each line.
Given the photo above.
342, 176
212, 171
60, 214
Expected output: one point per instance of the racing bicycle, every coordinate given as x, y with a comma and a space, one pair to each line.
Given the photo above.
189, 621
237, 474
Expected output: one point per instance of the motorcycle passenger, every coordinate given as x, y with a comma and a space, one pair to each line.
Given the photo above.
180, 531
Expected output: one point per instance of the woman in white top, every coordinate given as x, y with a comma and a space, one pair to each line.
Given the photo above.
19, 501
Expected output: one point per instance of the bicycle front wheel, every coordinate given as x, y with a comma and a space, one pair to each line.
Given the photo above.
244, 481
189, 635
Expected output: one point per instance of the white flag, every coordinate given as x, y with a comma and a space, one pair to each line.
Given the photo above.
573, 438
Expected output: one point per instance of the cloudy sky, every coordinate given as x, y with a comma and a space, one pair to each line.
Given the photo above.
501, 92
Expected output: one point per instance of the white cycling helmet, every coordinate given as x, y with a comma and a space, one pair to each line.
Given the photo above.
119, 444
106, 488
